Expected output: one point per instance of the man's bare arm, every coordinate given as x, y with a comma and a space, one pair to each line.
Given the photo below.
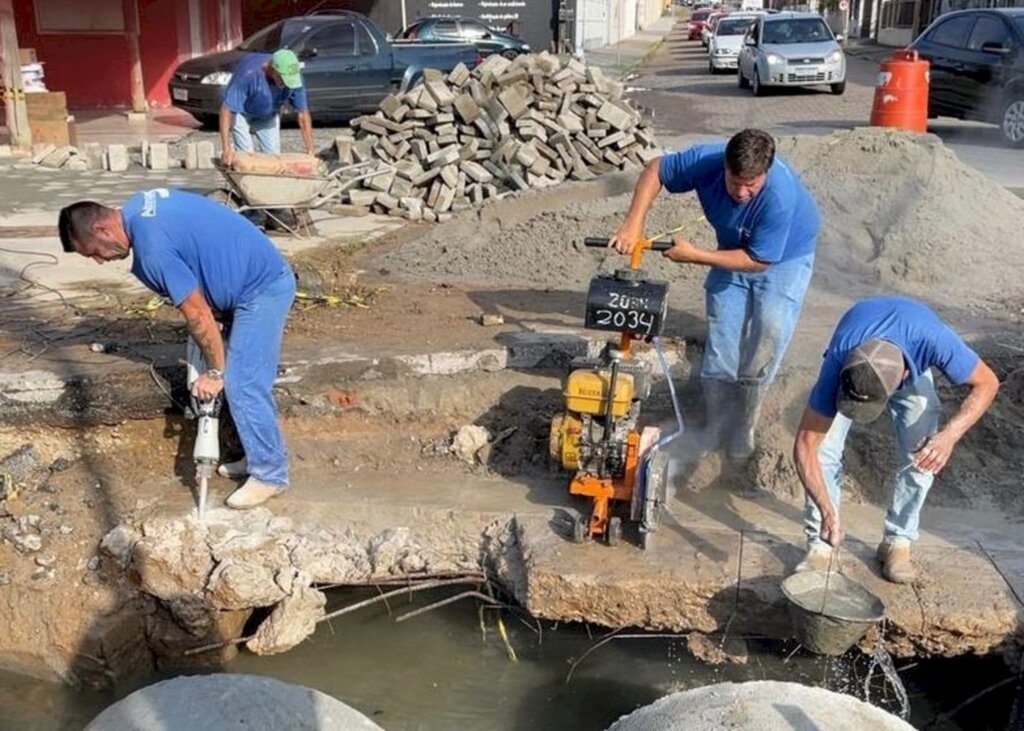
648, 186
306, 129
935, 453
204, 329
809, 437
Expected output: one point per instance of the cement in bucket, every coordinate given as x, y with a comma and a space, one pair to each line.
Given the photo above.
829, 622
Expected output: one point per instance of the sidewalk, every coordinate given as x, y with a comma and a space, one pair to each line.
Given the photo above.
622, 57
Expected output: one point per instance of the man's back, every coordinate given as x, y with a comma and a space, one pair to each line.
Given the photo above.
181, 241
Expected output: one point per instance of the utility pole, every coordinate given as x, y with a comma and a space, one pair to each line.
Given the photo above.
10, 74
131, 24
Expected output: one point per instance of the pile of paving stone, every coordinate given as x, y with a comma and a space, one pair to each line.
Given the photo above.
453, 141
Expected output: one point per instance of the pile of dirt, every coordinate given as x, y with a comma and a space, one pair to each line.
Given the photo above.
901, 213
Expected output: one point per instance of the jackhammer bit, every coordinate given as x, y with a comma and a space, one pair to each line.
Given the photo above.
206, 452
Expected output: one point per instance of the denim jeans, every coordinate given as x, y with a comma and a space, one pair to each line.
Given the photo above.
914, 411
267, 132
751, 317
254, 350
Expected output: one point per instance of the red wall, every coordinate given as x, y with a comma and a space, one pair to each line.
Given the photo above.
93, 70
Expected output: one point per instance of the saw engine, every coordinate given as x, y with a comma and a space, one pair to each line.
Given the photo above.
599, 436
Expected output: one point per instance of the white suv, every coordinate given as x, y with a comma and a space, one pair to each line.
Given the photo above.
724, 47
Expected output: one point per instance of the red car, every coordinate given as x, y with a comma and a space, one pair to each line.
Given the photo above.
697, 21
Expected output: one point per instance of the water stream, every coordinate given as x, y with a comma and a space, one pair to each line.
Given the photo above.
443, 670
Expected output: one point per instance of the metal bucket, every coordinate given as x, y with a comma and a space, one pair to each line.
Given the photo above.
830, 612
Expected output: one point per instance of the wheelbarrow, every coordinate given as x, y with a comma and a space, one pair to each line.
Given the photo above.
287, 198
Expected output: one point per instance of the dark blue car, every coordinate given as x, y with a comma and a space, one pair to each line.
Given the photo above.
977, 68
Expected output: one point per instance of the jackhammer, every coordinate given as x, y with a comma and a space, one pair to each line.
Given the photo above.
206, 452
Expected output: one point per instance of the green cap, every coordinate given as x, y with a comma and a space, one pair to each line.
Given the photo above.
286, 63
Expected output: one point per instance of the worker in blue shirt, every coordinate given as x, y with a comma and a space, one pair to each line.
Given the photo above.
879, 360
208, 259
260, 85
766, 223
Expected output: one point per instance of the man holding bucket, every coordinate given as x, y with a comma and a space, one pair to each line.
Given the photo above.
879, 360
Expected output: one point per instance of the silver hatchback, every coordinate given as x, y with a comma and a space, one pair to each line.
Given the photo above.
791, 49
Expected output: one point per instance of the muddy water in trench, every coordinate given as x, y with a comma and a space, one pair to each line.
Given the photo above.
439, 671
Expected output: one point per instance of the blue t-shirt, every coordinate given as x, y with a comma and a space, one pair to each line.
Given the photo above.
925, 340
251, 93
778, 224
181, 241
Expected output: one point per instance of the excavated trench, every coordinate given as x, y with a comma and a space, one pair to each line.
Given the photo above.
386, 491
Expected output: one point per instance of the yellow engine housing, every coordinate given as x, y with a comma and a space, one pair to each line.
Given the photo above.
586, 392
564, 445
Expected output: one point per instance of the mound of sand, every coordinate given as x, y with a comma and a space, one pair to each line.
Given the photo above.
901, 214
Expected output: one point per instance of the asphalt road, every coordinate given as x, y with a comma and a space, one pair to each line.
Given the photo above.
688, 103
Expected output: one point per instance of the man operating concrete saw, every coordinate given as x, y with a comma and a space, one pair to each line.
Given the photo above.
208, 259
766, 223
880, 360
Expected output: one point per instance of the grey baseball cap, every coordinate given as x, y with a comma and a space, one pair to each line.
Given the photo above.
872, 373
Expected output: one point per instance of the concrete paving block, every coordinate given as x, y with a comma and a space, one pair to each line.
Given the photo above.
616, 116
512, 76
389, 105
41, 151
476, 172
440, 92
469, 149
515, 101
611, 139
116, 158
158, 157
77, 164
381, 182
429, 215
191, 156
426, 176
93, 154
360, 197
450, 175
58, 157
459, 75
206, 152
400, 187
402, 150
526, 155
445, 199
388, 201
434, 194
444, 156
493, 64
343, 148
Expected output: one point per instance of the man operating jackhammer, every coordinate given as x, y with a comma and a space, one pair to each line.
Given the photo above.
208, 259
766, 223
879, 360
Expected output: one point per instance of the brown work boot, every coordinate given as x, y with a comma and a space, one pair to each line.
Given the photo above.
253, 493
895, 560
817, 559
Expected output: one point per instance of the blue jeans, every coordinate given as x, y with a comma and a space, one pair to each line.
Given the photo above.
914, 411
254, 349
751, 317
266, 131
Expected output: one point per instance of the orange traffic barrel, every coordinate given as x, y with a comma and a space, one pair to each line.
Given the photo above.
901, 93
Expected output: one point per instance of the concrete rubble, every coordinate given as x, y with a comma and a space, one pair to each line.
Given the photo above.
455, 141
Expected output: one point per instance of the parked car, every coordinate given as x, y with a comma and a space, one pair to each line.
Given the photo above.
977, 68
697, 21
709, 28
349, 65
725, 45
791, 49
466, 30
